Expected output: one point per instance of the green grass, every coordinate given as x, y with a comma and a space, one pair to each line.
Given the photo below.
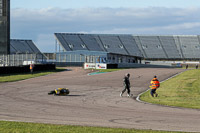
23, 76
108, 70
181, 91
21, 127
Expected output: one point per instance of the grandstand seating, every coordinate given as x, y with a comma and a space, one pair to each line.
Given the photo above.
112, 44
130, 45
62, 42
91, 42
170, 47
97, 38
74, 42
152, 47
149, 47
138, 42
23, 47
190, 46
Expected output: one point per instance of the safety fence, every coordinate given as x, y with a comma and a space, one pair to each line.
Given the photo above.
77, 58
21, 59
63, 59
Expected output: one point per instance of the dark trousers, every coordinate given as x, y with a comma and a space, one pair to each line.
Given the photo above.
153, 91
126, 87
31, 71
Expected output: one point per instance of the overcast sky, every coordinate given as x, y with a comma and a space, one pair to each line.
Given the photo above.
38, 21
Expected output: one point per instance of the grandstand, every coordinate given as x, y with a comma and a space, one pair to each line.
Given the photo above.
115, 48
161, 47
117, 44
23, 47
152, 47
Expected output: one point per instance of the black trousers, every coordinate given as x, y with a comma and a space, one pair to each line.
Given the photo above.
153, 91
126, 87
31, 71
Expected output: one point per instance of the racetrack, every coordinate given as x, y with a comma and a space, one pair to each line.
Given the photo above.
94, 101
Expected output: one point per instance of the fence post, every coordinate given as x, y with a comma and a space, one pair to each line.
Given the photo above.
8, 60
13, 59
80, 58
17, 60
75, 57
3, 60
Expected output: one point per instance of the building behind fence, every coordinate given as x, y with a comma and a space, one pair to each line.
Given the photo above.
79, 57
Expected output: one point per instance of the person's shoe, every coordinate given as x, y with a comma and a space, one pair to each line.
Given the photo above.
120, 94
156, 95
128, 95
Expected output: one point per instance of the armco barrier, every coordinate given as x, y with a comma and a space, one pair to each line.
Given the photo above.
135, 65
26, 68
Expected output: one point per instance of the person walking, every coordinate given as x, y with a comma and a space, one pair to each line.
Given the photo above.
155, 84
126, 83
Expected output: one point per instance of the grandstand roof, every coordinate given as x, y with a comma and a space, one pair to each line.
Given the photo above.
23, 47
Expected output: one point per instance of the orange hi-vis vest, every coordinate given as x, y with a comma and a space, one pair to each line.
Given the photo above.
155, 83
31, 66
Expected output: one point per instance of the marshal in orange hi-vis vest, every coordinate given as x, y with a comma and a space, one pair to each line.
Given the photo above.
155, 83
31, 66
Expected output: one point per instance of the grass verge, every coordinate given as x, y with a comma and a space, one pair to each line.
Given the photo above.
21, 127
181, 91
23, 76
109, 70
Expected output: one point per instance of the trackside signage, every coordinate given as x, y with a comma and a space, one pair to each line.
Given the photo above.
101, 66
89, 65
95, 66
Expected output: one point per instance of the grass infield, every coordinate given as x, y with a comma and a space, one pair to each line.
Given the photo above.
23, 76
21, 127
109, 70
181, 91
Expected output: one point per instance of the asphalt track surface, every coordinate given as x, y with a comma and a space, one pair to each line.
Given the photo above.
94, 101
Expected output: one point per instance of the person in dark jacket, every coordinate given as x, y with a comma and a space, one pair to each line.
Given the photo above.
126, 83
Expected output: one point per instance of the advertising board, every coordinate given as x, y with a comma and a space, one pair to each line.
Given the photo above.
95, 66
101, 66
89, 66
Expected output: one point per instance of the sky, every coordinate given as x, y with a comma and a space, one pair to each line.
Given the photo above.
38, 21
